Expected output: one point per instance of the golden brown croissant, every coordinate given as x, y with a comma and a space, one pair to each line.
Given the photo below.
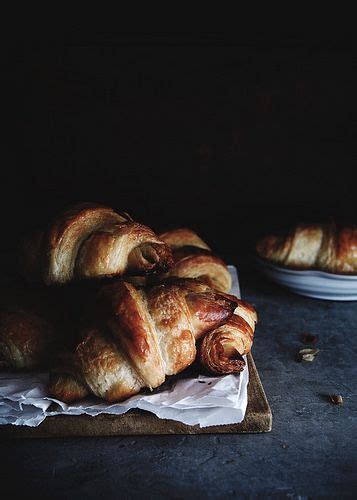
66, 381
328, 247
222, 349
92, 241
31, 328
194, 259
24, 339
140, 336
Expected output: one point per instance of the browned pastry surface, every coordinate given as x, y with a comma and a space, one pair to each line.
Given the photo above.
92, 241
181, 237
24, 338
139, 336
222, 349
329, 247
194, 259
32, 326
66, 380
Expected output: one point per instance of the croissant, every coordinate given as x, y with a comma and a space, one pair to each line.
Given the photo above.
327, 247
66, 382
222, 350
92, 241
23, 339
140, 336
31, 329
194, 259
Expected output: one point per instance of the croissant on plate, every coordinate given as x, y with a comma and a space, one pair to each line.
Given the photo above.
328, 247
92, 241
194, 259
137, 337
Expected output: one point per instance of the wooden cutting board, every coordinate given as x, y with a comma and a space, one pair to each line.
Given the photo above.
258, 418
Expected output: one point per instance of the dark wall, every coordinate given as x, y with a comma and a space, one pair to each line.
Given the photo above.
228, 136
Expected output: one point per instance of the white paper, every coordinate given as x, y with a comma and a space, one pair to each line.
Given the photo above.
198, 400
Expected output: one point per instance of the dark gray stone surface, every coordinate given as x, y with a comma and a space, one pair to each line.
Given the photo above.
311, 451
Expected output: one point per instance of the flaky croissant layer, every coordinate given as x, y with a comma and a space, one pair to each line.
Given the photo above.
222, 350
140, 336
194, 259
33, 324
311, 246
25, 338
92, 241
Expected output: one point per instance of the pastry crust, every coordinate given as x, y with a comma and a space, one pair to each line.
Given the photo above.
24, 339
37, 323
66, 382
140, 336
222, 349
105, 369
194, 259
330, 247
181, 237
31, 328
92, 241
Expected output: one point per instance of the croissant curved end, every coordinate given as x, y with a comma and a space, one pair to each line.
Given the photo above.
222, 349
65, 387
127, 247
220, 352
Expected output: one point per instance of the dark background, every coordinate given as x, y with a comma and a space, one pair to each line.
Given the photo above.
230, 136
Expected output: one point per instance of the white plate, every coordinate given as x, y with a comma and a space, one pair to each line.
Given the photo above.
316, 284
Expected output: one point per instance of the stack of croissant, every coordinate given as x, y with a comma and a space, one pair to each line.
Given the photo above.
111, 308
